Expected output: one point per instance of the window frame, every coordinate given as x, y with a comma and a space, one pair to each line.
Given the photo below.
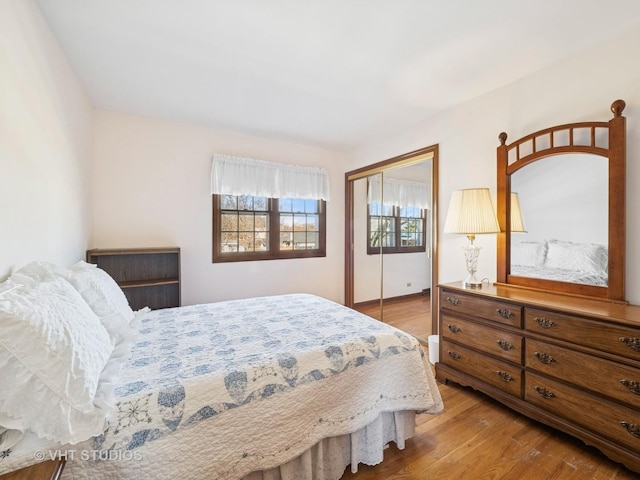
398, 248
274, 252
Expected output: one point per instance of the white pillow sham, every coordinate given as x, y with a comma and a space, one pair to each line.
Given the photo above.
528, 254
96, 287
53, 351
103, 295
578, 257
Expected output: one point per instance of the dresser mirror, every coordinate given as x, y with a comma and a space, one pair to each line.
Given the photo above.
561, 208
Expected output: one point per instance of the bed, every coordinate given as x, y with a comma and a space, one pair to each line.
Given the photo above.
564, 261
289, 386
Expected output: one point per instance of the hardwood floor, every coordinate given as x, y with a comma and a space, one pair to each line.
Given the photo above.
477, 438
411, 314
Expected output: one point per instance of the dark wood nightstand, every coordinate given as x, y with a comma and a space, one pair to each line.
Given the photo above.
47, 470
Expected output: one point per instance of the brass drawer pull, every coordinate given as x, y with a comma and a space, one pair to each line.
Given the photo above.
633, 387
454, 328
633, 343
544, 358
506, 346
454, 355
505, 313
544, 322
632, 428
543, 392
504, 376
453, 301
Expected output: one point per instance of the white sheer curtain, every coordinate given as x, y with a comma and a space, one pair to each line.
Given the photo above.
232, 175
400, 193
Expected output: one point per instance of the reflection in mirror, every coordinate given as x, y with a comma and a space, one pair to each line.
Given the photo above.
391, 251
390, 239
406, 282
584, 238
367, 271
564, 204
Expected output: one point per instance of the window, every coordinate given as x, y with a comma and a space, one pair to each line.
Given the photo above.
247, 227
396, 229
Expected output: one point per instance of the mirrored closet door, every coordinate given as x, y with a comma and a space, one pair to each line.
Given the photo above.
391, 227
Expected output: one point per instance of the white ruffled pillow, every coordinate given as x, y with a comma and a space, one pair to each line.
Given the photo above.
103, 294
53, 353
96, 287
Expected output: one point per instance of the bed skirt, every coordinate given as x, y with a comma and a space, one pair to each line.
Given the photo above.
327, 459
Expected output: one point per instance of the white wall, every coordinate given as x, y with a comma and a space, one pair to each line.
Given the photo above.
151, 187
45, 126
579, 89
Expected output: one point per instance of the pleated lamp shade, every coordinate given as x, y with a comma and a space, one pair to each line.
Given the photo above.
471, 212
517, 224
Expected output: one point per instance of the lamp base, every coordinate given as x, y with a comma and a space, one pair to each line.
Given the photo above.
471, 253
472, 282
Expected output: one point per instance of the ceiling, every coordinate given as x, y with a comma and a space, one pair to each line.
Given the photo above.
332, 73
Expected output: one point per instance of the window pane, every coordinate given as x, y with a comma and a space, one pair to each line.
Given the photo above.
245, 241
261, 242
313, 223
229, 222
286, 222
245, 202
284, 204
389, 240
262, 222
375, 208
261, 204
228, 202
229, 242
313, 240
410, 225
297, 205
245, 221
286, 241
311, 206
299, 240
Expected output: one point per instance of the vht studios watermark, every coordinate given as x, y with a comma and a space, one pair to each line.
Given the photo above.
96, 455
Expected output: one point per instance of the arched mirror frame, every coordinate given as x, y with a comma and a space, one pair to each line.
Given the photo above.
541, 145
411, 158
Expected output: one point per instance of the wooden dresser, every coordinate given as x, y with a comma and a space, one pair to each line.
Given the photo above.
568, 362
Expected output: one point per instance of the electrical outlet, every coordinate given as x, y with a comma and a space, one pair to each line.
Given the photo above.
408, 284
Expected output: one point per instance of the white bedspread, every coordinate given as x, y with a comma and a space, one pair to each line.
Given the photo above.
221, 390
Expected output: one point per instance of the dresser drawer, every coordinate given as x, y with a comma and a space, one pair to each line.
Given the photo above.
498, 343
616, 422
583, 331
619, 382
502, 312
490, 370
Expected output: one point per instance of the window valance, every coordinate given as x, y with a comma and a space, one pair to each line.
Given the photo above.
400, 193
232, 175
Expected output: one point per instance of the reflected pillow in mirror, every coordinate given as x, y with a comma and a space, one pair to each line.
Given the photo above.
528, 254
577, 257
